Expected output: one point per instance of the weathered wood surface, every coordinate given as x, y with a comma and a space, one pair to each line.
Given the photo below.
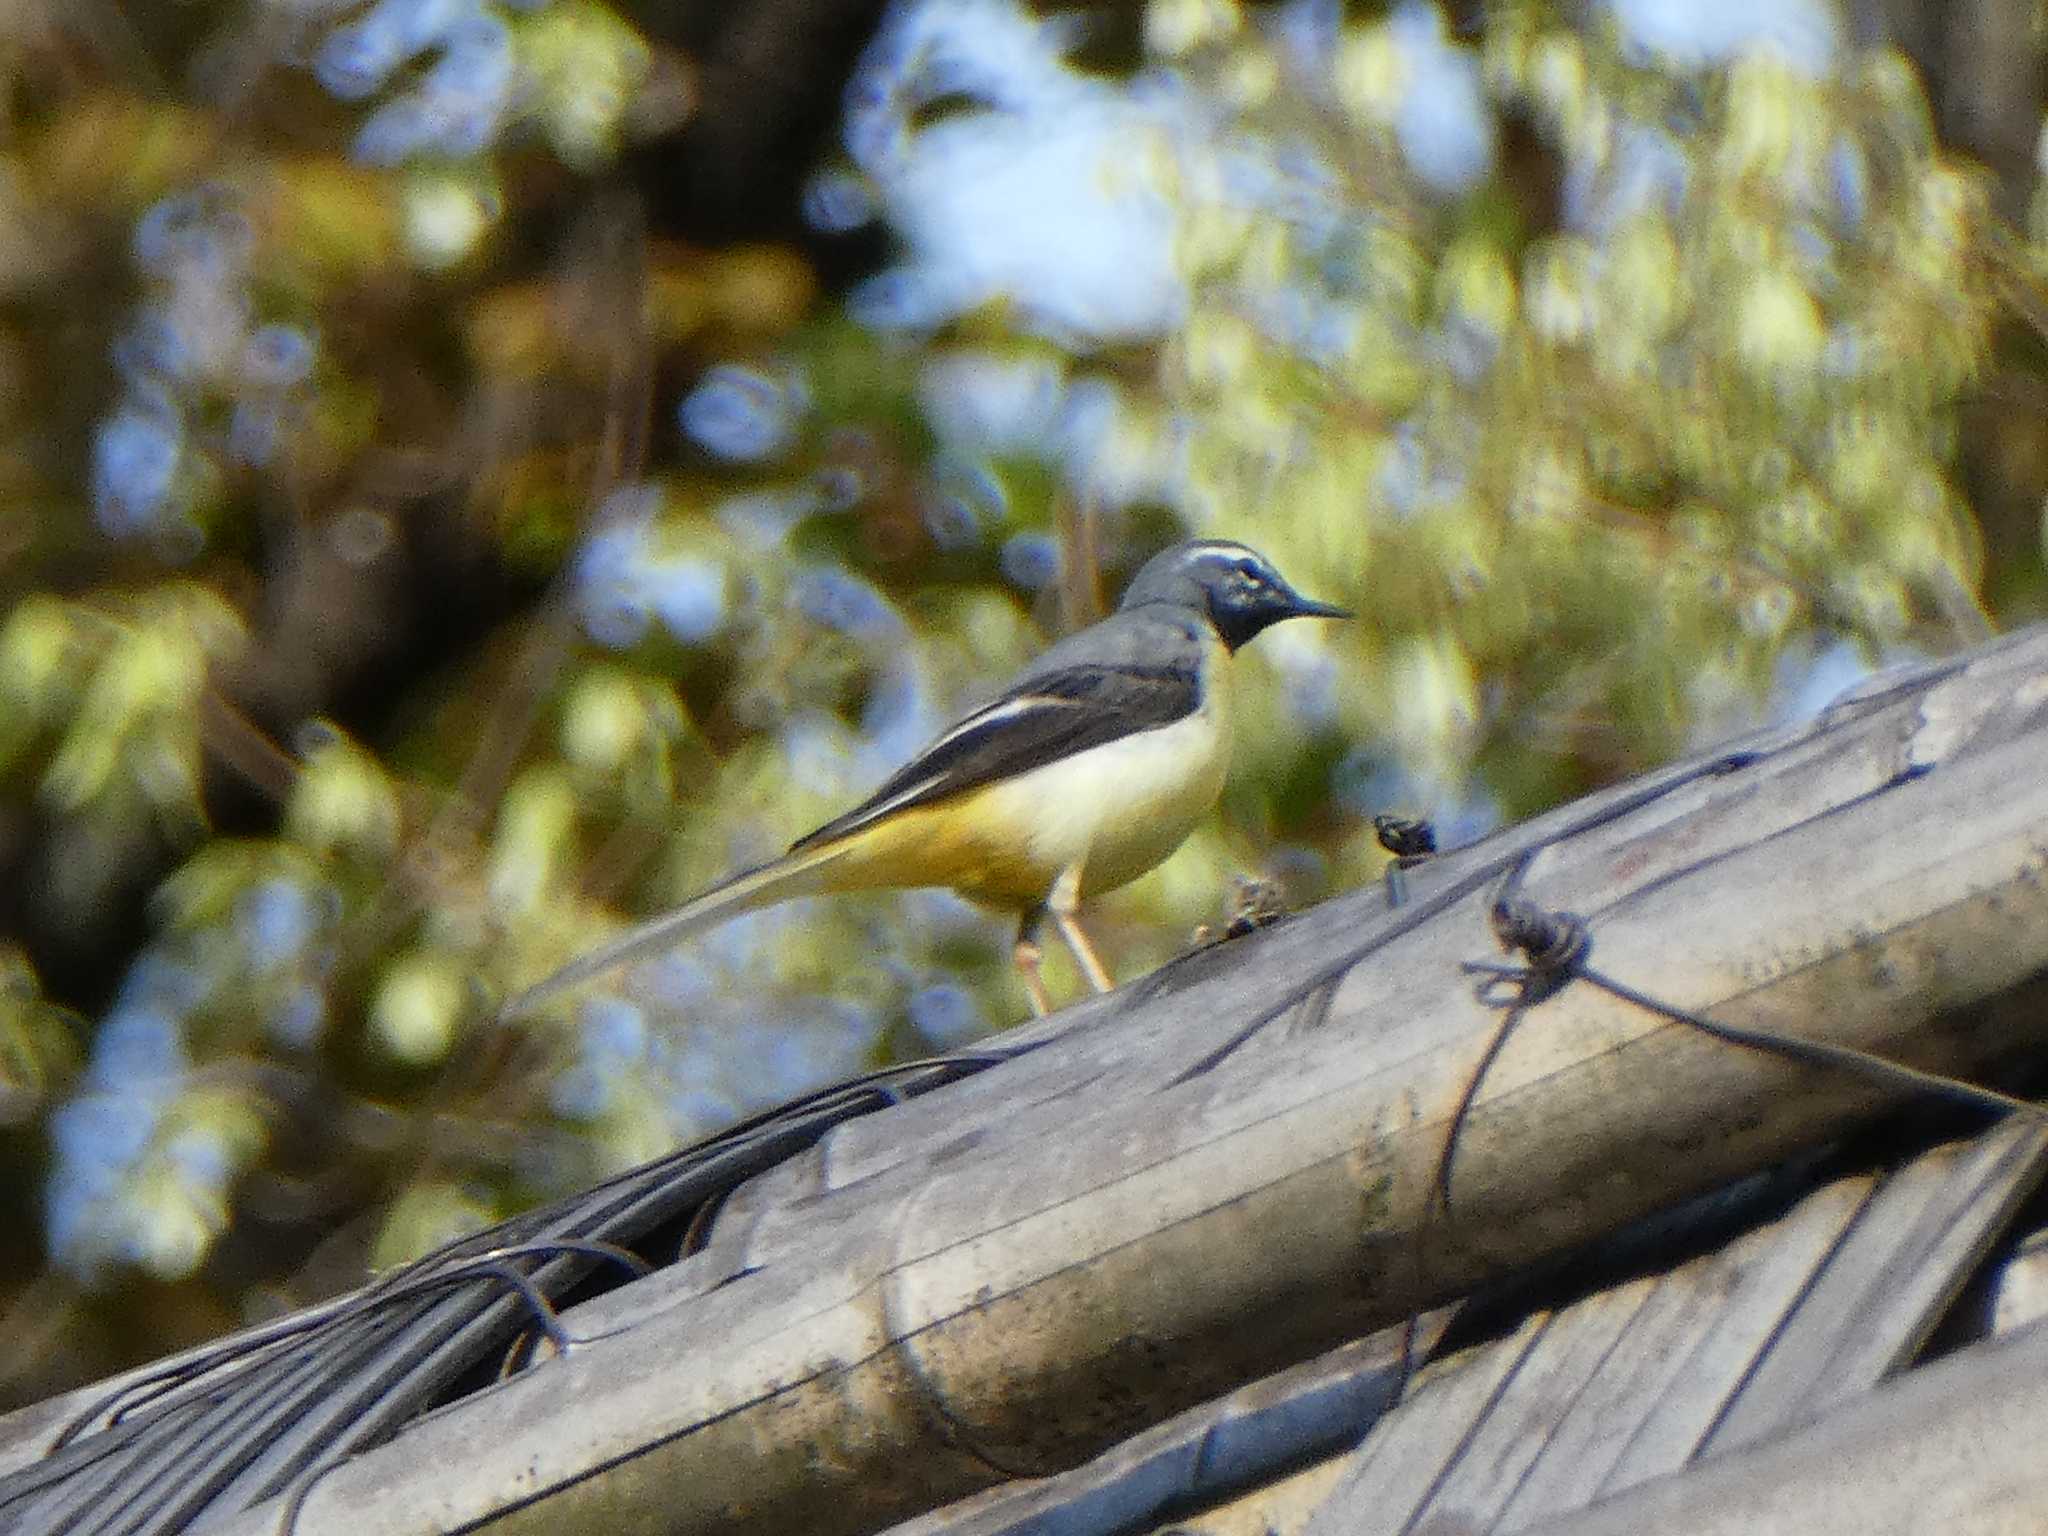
1198, 1457
1181, 1194
1922, 1235
2020, 1295
1735, 1348
1952, 1447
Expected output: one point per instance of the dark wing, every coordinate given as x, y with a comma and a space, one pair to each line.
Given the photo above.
1048, 717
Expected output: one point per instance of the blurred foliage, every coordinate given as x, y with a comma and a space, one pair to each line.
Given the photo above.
415, 568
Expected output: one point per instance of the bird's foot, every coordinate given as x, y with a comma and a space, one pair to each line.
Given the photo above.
1030, 962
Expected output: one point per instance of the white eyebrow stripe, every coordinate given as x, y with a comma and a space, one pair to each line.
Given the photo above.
1225, 555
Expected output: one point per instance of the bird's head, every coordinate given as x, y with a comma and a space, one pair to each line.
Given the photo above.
1235, 588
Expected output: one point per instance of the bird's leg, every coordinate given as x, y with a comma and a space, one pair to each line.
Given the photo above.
1063, 902
1030, 958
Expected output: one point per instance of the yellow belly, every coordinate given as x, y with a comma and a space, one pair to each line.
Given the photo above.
1116, 810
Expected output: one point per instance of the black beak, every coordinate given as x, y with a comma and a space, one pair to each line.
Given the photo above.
1299, 607
1239, 616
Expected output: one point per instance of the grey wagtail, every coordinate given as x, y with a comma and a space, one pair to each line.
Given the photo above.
1090, 768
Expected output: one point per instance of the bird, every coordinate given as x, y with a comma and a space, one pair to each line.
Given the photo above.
1088, 769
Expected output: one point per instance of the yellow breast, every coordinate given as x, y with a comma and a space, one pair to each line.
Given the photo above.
1116, 810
